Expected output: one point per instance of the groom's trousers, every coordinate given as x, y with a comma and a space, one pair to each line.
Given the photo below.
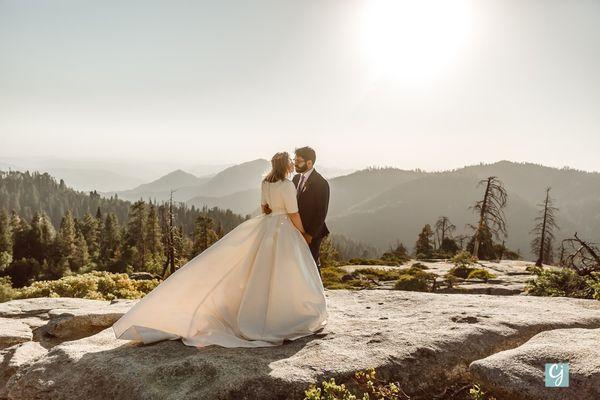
315, 246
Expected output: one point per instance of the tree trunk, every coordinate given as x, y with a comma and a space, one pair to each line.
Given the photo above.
540, 259
481, 219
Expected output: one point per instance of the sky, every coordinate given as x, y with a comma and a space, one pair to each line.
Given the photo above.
431, 84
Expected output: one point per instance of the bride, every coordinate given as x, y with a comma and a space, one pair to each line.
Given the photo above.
255, 287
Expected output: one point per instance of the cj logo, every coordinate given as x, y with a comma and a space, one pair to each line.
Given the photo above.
557, 375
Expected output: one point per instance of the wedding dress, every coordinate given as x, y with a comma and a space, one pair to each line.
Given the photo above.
255, 287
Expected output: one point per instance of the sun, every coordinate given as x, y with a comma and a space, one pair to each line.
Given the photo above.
413, 40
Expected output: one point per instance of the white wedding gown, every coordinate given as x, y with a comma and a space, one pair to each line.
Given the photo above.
255, 287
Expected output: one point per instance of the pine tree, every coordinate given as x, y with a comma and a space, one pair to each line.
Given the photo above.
6, 242
423, 246
89, 229
41, 237
110, 248
81, 259
65, 245
135, 235
204, 235
153, 233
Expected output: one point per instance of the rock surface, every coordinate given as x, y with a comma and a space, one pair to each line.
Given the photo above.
422, 340
519, 373
15, 357
13, 332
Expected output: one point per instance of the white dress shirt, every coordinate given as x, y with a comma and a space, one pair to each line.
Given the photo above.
305, 174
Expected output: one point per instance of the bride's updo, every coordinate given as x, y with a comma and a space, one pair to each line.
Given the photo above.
280, 167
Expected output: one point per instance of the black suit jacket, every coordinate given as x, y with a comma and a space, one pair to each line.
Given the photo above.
313, 203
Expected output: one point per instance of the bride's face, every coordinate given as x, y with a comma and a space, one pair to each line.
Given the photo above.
290, 168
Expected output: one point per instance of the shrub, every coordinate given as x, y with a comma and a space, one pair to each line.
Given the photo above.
464, 258
412, 283
364, 384
564, 283
461, 271
420, 266
96, 285
415, 279
462, 262
7, 292
337, 278
481, 273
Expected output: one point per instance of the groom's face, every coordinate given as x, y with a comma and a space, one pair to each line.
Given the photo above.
300, 165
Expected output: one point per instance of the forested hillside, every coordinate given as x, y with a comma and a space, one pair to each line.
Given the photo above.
48, 230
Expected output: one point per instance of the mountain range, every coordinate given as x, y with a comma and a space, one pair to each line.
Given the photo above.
379, 206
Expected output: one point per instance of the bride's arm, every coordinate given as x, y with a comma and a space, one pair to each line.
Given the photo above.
295, 218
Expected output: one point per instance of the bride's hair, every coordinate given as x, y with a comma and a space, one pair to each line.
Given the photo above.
279, 167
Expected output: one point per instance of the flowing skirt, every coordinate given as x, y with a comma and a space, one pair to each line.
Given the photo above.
255, 287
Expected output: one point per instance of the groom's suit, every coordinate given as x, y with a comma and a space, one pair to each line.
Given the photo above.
313, 202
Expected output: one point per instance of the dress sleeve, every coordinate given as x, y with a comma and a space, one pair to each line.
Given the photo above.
289, 197
263, 194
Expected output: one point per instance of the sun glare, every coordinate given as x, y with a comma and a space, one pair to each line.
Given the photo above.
413, 40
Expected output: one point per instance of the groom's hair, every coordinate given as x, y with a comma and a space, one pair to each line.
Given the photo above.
307, 153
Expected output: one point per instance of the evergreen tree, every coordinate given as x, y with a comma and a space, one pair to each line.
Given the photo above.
41, 236
204, 235
423, 246
135, 235
89, 229
153, 232
110, 248
81, 259
6, 241
65, 246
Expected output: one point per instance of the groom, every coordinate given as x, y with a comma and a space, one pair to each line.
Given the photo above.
313, 200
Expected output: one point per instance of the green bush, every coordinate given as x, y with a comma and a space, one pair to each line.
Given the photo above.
481, 273
420, 266
364, 386
96, 285
7, 292
463, 258
416, 280
564, 283
337, 278
461, 271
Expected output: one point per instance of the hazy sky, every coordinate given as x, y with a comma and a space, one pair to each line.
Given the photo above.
426, 83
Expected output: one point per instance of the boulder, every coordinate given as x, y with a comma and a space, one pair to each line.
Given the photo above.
86, 321
13, 331
519, 373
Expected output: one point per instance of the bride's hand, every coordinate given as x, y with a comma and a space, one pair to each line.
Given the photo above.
307, 237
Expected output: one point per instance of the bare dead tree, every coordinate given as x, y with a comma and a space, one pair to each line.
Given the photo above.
443, 229
545, 225
580, 255
490, 210
169, 266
